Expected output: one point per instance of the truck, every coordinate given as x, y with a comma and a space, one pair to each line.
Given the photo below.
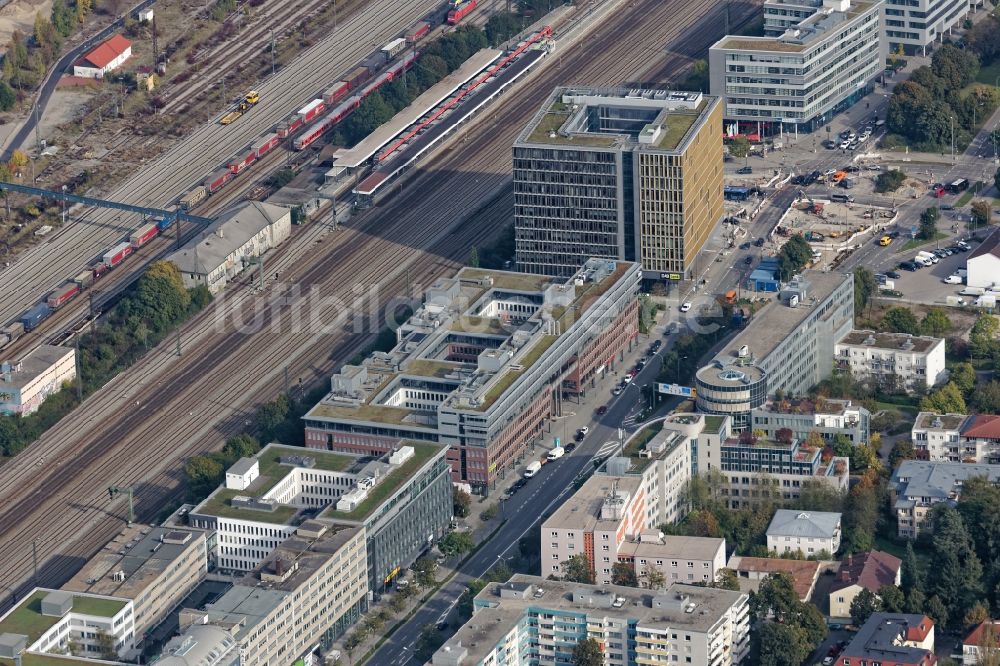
143, 235
532, 469
117, 254
393, 48
973, 291
85, 279
58, 297
194, 197
35, 316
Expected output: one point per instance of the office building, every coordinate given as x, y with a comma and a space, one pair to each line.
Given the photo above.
633, 175
753, 468
806, 532
483, 366
862, 571
46, 622
780, 15
917, 24
402, 501
893, 360
899, 639
154, 567
530, 620
825, 416
918, 485
787, 346
798, 80
305, 595
25, 384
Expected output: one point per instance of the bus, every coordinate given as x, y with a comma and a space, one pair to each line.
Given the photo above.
960, 185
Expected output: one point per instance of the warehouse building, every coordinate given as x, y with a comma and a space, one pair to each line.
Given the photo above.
633, 175
799, 80
533, 620
25, 384
787, 346
232, 244
402, 501
106, 57
482, 366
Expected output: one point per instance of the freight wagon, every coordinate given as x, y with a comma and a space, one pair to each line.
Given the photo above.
289, 127
217, 180
418, 32
62, 294
99, 269
266, 144
331, 96
309, 112
85, 279
327, 122
460, 12
10, 333
357, 76
239, 163
143, 235
35, 316
393, 48
117, 254
194, 197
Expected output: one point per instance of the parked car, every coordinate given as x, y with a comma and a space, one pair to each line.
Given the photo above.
748, 261
953, 279
617, 390
582, 432
908, 266
570, 447
746, 246
829, 144
892, 275
655, 347
745, 169
759, 242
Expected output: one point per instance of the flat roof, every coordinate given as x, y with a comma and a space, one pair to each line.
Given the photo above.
934, 421
308, 555
26, 617
582, 511
894, 341
805, 406
36, 362
681, 547
140, 552
816, 29
354, 157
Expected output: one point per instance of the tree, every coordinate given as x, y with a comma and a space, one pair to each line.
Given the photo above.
728, 580
577, 570
241, 446
423, 571
429, 640
272, 414
928, 223
891, 599
963, 376
865, 457
889, 181
862, 606
474, 257
7, 97
780, 645
18, 160
982, 213
622, 573
983, 336
861, 513
461, 502
654, 578
956, 66
203, 474
976, 615
473, 588
865, 287
500, 572
106, 645
739, 147
958, 573
936, 610
587, 652
986, 399
900, 320
935, 323
946, 400
456, 543
703, 524
501, 26
901, 450
910, 577
775, 597
793, 256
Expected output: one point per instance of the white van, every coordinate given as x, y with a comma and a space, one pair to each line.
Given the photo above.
533, 469
556, 453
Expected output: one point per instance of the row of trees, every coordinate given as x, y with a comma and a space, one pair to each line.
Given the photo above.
793, 256
149, 311
930, 108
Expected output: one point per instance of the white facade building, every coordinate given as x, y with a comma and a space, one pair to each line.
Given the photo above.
780, 15
230, 245
808, 532
800, 79
242, 473
25, 384
106, 57
916, 24
984, 264
899, 360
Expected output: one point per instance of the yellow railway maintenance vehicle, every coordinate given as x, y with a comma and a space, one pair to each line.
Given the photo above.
249, 100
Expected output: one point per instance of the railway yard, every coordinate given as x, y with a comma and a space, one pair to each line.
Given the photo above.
336, 285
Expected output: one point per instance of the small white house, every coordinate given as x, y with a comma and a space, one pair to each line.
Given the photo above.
106, 57
984, 263
807, 531
242, 474
145, 15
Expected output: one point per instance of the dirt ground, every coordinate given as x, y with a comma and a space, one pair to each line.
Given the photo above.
20, 15
64, 107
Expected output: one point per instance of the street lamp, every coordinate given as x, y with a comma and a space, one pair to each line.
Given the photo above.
952, 138
64, 205
679, 357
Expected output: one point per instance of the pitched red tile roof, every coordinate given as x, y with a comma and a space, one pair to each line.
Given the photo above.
108, 50
918, 632
975, 636
985, 426
870, 570
803, 572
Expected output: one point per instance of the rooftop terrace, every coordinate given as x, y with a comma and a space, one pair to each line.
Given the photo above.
809, 33
890, 341
27, 619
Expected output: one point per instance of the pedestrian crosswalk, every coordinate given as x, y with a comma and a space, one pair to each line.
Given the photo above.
607, 449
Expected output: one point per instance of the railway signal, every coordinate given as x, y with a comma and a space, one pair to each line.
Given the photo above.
115, 490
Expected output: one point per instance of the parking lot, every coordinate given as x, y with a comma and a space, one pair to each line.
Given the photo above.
926, 285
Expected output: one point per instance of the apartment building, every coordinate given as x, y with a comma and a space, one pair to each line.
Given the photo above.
798, 80
917, 24
825, 416
483, 366
893, 360
632, 175
25, 384
957, 438
892, 638
533, 620
918, 485
86, 626
153, 567
307, 592
399, 499
787, 346
862, 571
806, 532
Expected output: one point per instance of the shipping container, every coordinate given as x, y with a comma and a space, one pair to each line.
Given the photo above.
240, 163
100, 268
393, 48
10, 333
418, 32
336, 92
143, 235
35, 316
194, 197
62, 294
117, 254
309, 112
288, 127
217, 180
266, 144
358, 76
85, 279
460, 12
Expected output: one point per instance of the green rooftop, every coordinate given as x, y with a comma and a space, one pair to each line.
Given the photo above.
27, 618
508, 377
713, 424
678, 124
508, 280
389, 485
366, 412
553, 119
432, 368
52, 660
484, 325
97, 607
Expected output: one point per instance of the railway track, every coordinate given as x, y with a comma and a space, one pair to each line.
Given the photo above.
139, 429
45, 266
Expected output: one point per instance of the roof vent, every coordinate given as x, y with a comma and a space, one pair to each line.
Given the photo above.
937, 422
870, 340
